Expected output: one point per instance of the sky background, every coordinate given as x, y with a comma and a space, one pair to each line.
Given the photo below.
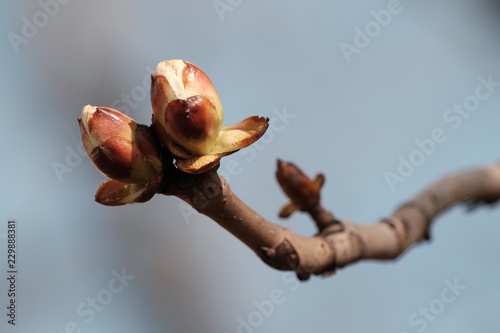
351, 117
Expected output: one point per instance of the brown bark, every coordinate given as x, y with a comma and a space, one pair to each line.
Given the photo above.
338, 242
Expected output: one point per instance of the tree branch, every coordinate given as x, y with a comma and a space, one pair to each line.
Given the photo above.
338, 242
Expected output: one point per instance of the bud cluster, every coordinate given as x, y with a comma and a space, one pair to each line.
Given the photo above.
187, 121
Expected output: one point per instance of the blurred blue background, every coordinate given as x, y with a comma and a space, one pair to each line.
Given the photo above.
350, 114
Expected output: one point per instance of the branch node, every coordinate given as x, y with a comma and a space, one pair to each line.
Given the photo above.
427, 235
334, 227
282, 257
419, 208
400, 229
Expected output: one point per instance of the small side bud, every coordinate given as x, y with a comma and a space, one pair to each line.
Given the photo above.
303, 192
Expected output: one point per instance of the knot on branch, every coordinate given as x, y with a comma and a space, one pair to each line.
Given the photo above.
283, 257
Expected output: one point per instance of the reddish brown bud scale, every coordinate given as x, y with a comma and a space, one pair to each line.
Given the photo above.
148, 143
114, 193
190, 120
103, 119
113, 158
